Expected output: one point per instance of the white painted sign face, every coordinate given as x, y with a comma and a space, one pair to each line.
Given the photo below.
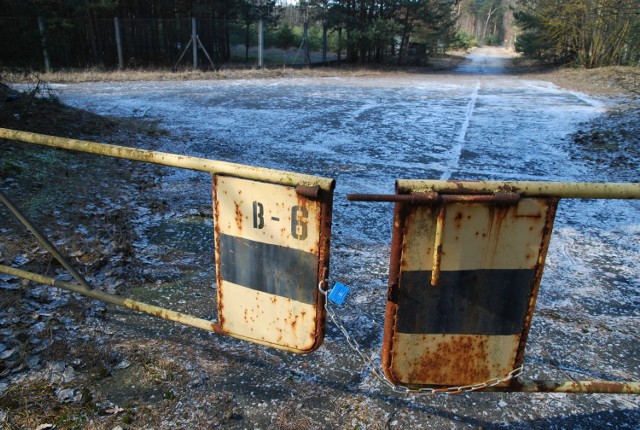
268, 260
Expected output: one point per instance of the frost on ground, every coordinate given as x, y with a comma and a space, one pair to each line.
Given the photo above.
147, 233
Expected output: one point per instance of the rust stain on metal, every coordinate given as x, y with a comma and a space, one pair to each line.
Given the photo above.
547, 229
324, 246
216, 239
597, 387
400, 242
309, 192
444, 360
458, 220
439, 240
238, 214
418, 198
398, 247
497, 216
442, 367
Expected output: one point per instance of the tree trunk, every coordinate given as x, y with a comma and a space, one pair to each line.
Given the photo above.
247, 40
486, 24
404, 39
324, 42
339, 44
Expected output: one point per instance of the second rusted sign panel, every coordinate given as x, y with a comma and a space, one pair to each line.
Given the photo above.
272, 249
464, 277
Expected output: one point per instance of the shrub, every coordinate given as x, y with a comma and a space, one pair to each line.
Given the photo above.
462, 40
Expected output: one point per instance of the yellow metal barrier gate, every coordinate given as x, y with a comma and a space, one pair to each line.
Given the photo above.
466, 263
272, 231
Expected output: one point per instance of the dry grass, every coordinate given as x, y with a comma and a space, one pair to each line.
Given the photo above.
289, 417
444, 62
359, 414
30, 405
614, 80
606, 80
160, 370
10, 298
96, 75
37, 401
156, 368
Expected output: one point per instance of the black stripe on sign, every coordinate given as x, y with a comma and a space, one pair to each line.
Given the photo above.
485, 302
272, 269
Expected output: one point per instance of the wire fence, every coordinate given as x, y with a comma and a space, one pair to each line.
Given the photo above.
147, 43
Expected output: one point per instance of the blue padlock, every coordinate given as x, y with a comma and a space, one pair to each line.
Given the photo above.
338, 293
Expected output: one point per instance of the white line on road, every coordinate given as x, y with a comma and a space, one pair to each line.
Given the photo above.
456, 150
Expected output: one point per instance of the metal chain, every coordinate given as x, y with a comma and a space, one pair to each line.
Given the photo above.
515, 373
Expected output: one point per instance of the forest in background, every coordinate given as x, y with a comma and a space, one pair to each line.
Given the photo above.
587, 33
85, 33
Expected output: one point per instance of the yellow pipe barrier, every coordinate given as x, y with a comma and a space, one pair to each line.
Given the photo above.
609, 387
171, 160
116, 300
135, 305
578, 190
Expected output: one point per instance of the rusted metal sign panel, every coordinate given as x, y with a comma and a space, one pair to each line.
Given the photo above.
272, 249
464, 277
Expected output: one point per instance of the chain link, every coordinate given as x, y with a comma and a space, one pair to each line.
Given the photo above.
515, 373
